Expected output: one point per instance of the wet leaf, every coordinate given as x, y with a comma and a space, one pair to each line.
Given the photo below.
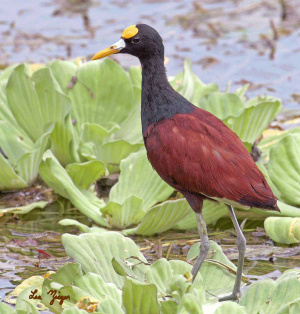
21, 210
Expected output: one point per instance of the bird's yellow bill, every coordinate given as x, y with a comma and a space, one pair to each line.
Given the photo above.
115, 48
105, 52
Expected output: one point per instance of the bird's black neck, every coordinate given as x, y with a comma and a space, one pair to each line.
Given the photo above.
159, 100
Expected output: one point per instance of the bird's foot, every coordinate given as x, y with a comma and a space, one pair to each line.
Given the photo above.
233, 296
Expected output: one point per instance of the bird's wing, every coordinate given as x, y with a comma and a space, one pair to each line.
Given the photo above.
198, 153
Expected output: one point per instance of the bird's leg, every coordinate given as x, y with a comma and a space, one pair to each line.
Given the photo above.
241, 245
204, 247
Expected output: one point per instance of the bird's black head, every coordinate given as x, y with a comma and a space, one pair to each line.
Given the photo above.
140, 40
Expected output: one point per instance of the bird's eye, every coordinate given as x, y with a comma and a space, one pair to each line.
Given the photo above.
135, 40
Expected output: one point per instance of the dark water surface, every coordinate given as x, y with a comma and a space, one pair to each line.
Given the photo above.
227, 40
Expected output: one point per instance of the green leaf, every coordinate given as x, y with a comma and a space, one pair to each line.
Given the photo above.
131, 128
140, 298
222, 105
9, 180
139, 187
138, 178
24, 155
257, 294
161, 217
109, 305
95, 252
36, 102
123, 269
28, 165
290, 308
92, 138
69, 281
47, 299
112, 153
285, 292
84, 174
268, 141
56, 107
212, 212
173, 277
58, 179
127, 214
24, 103
159, 273
253, 120
135, 74
284, 230
82, 227
13, 142
289, 273
284, 168
30, 284
190, 86
98, 288
67, 274
168, 307
102, 93
231, 307
217, 272
74, 310
189, 304
6, 309
24, 304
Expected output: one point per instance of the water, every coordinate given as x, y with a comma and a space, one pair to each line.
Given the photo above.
227, 40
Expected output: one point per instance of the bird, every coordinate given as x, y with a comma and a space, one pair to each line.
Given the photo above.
191, 149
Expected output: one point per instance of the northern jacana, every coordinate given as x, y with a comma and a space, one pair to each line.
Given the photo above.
191, 149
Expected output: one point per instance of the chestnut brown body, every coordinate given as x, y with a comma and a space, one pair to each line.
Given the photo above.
198, 155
